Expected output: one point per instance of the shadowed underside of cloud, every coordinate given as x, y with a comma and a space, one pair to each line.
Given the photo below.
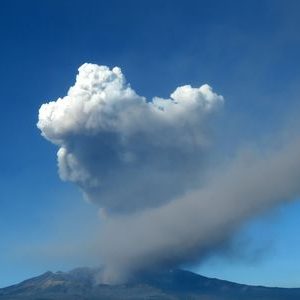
143, 162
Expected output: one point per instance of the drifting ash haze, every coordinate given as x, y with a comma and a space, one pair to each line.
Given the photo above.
143, 162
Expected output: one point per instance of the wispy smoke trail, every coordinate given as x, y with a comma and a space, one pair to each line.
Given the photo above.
189, 226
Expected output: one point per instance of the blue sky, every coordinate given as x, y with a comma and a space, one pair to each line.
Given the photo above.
247, 50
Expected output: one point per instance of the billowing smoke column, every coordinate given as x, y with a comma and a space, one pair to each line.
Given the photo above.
124, 152
143, 161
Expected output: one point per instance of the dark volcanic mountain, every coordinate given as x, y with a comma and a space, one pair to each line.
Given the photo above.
80, 284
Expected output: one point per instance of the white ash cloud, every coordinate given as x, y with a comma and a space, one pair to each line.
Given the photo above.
125, 152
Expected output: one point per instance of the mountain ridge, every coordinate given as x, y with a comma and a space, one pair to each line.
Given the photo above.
81, 284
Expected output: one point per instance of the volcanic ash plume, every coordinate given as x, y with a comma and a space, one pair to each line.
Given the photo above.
143, 162
125, 152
